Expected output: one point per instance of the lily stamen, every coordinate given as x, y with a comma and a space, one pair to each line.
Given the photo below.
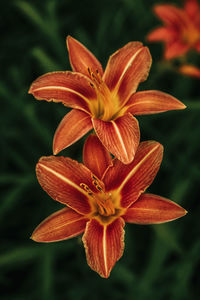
104, 97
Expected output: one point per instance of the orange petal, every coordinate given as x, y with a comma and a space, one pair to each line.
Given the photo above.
171, 15
153, 209
61, 177
95, 156
197, 46
72, 127
126, 68
61, 225
174, 49
81, 58
151, 102
190, 70
161, 34
72, 89
129, 181
104, 245
120, 137
192, 8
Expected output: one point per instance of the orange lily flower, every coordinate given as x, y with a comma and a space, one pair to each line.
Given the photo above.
181, 30
190, 70
105, 101
101, 196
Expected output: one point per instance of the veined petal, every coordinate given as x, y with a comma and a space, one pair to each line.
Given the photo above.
175, 48
151, 102
136, 73
95, 157
81, 58
190, 70
72, 89
61, 225
120, 137
153, 209
61, 178
104, 245
73, 126
171, 15
162, 34
119, 62
129, 181
126, 68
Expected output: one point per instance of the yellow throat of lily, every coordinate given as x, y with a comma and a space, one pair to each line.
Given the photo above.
106, 105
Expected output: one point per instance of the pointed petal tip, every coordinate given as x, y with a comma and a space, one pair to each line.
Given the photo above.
33, 237
181, 105
185, 212
29, 91
68, 38
105, 276
55, 152
55, 149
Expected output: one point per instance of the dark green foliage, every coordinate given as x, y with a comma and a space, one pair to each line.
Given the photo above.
160, 262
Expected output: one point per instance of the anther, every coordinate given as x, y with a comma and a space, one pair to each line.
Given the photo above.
94, 177
86, 188
89, 71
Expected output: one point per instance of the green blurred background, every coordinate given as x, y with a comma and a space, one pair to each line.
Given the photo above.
159, 262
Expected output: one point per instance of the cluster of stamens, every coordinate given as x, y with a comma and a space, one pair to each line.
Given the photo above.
102, 200
103, 109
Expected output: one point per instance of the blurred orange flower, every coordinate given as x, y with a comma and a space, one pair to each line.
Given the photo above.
101, 196
181, 30
105, 101
190, 70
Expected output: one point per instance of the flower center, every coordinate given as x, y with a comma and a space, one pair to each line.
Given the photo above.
103, 108
102, 201
191, 36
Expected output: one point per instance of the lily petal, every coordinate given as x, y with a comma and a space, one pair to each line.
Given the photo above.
129, 181
95, 157
81, 58
61, 225
61, 178
72, 89
197, 46
175, 48
73, 126
171, 15
191, 7
161, 34
104, 245
153, 209
126, 68
190, 70
151, 102
120, 137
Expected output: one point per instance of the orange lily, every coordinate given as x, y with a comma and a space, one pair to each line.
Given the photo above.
101, 196
189, 70
181, 30
105, 101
